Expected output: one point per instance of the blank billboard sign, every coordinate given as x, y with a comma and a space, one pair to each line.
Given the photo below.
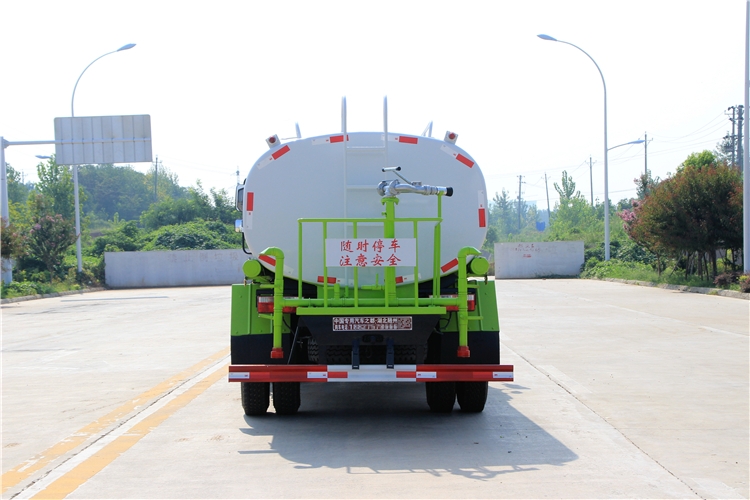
103, 139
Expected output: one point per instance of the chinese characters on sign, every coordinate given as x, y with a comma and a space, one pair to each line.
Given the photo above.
371, 252
377, 323
527, 249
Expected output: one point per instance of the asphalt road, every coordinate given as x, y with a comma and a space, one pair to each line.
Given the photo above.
620, 391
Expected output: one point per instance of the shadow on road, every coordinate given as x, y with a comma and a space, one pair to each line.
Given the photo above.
387, 428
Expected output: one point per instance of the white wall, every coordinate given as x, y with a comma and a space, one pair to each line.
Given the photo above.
173, 268
536, 260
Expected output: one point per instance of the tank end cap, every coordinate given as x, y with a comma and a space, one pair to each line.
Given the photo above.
277, 353
449, 191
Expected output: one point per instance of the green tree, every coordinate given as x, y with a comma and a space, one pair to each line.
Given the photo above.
644, 185
704, 159
575, 219
167, 183
12, 241
111, 189
56, 185
194, 235
568, 189
18, 192
123, 190
49, 236
214, 205
697, 211
503, 216
124, 237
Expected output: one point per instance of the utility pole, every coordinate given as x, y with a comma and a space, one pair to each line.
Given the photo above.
591, 179
737, 119
156, 177
520, 177
732, 137
549, 212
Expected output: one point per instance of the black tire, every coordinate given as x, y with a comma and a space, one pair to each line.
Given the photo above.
407, 354
312, 350
339, 355
255, 397
286, 397
441, 396
471, 396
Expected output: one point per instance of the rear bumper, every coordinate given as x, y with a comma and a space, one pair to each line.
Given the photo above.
371, 373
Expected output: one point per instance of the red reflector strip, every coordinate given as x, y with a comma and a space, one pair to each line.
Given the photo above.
407, 373
408, 140
281, 152
249, 204
464, 160
268, 260
482, 218
331, 280
399, 279
336, 138
449, 265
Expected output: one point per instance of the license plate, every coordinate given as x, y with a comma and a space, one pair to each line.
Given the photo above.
371, 323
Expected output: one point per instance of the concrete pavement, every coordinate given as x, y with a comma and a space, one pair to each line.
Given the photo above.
620, 392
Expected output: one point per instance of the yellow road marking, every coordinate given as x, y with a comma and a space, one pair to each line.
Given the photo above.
87, 469
41, 460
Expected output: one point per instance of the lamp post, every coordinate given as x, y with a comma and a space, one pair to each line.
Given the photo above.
638, 141
745, 156
7, 265
606, 163
75, 167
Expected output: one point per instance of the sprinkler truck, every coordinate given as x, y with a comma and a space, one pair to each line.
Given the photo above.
359, 272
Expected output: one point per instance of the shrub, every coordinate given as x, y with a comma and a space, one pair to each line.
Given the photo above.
24, 288
615, 268
725, 279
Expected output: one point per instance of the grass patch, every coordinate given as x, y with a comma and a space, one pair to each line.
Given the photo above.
642, 272
26, 288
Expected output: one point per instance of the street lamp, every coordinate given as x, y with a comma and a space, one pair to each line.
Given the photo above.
72, 99
606, 162
638, 141
75, 167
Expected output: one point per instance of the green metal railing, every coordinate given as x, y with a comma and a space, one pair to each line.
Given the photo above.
389, 303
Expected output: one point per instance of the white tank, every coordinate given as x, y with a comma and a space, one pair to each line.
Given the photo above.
330, 177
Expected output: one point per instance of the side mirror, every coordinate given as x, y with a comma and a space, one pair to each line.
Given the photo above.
238, 226
239, 193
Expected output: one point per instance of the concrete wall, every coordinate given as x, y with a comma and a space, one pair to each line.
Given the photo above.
173, 268
535, 260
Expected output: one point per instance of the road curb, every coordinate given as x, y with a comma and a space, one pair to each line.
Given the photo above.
50, 295
682, 288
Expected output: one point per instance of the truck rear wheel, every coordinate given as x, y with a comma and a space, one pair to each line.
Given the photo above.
255, 397
471, 396
286, 397
441, 396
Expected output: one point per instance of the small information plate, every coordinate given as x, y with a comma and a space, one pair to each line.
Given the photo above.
371, 323
371, 252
